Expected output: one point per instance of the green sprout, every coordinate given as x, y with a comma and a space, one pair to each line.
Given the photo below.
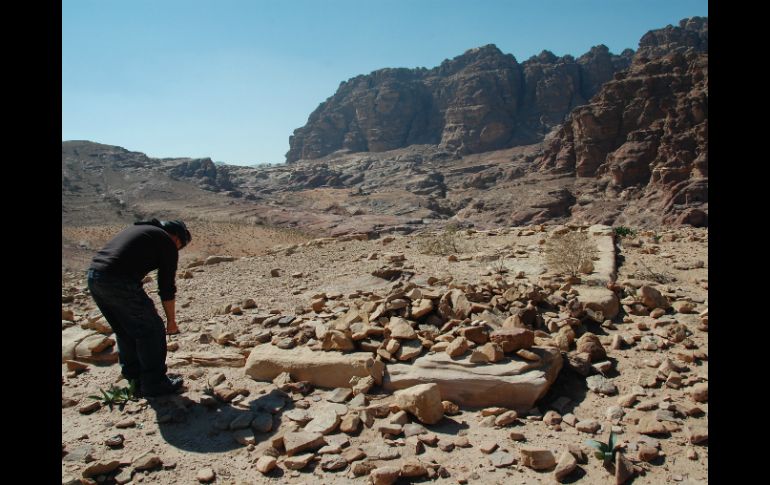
604, 451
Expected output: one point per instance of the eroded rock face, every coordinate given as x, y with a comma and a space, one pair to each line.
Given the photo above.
479, 101
647, 128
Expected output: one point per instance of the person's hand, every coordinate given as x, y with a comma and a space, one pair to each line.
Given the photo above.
171, 328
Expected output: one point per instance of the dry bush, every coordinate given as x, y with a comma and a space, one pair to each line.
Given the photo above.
445, 243
571, 253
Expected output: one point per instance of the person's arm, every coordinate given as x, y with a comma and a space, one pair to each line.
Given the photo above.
167, 285
169, 306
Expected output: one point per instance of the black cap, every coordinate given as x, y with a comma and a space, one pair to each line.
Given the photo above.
178, 229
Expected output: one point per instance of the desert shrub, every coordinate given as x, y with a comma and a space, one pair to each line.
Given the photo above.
571, 253
624, 231
444, 243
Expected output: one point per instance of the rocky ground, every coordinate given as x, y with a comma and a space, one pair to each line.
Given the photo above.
643, 374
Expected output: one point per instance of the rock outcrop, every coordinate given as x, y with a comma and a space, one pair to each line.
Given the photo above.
646, 131
479, 101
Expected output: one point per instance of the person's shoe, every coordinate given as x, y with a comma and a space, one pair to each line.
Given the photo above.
169, 385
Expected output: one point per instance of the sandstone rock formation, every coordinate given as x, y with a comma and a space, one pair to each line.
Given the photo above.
479, 101
646, 131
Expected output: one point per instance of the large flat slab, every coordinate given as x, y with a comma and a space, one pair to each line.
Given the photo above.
513, 383
323, 369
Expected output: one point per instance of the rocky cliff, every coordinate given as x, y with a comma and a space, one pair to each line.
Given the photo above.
646, 131
480, 101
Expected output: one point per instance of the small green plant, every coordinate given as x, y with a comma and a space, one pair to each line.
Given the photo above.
117, 395
623, 231
604, 451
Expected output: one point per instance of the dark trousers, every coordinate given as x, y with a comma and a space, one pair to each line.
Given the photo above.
139, 330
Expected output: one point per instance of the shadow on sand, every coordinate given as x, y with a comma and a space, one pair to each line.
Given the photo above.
193, 427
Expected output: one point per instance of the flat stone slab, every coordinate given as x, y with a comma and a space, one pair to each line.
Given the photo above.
211, 359
511, 383
323, 369
598, 298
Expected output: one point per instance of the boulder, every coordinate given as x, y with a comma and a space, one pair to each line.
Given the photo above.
423, 401
515, 384
323, 369
598, 298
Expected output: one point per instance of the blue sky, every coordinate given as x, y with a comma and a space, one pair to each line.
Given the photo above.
232, 79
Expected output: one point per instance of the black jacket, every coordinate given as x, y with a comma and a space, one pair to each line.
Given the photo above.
136, 251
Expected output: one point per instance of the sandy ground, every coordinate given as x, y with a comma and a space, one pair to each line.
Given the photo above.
184, 433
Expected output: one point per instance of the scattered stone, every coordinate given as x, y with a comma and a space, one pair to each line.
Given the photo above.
457, 347
552, 418
602, 367
589, 343
488, 422
500, 459
615, 413
296, 442
588, 426
205, 475
488, 446
390, 428
100, 467
570, 419
647, 453
362, 468
115, 441
385, 475
412, 468
537, 458
462, 442
447, 446
429, 439
627, 400
90, 407
506, 418
652, 298
651, 426
450, 408
578, 452
567, 464
409, 349
340, 395
147, 461
700, 392
601, 385
414, 429
623, 468
266, 464
298, 462
513, 339
324, 422
697, 434
125, 423
423, 401
528, 355
81, 454
333, 462
353, 454
262, 422
350, 423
